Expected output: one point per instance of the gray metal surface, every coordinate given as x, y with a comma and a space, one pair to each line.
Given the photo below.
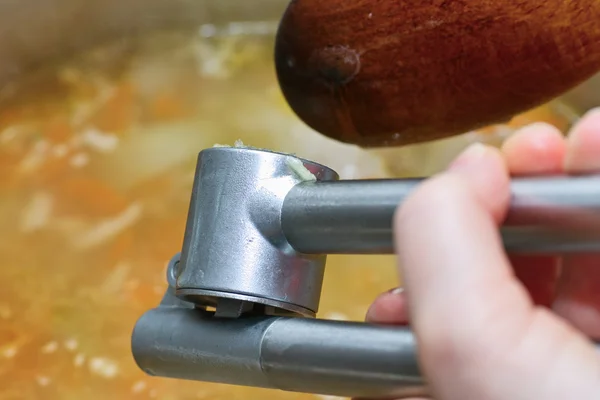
547, 215
291, 354
234, 252
180, 343
341, 359
257, 234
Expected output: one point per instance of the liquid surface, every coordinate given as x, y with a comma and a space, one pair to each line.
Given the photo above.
96, 166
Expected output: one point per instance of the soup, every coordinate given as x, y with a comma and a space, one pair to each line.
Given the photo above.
97, 156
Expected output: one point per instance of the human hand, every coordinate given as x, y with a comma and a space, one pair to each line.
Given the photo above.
488, 326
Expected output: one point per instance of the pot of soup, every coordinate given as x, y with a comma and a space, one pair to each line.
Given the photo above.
104, 106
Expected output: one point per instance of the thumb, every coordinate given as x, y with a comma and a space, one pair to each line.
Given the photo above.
479, 334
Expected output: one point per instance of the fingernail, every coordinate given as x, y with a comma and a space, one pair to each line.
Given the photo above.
397, 291
591, 111
537, 131
470, 157
486, 172
583, 144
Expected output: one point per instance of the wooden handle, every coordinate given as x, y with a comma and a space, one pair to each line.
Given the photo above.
395, 72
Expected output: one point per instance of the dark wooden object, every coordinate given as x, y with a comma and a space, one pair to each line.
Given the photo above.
396, 72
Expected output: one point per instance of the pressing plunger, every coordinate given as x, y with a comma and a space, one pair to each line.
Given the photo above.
388, 73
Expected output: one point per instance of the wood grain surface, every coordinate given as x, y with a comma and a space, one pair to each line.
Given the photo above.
388, 72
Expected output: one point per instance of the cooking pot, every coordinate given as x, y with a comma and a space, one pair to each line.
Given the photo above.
36, 32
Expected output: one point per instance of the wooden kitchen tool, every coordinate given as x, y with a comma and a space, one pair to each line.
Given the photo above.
396, 72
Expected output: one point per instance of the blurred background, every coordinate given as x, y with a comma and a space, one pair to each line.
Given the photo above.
104, 105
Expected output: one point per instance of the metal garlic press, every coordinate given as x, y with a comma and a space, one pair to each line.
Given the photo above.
244, 291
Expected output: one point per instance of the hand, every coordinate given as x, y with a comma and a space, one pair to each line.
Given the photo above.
488, 326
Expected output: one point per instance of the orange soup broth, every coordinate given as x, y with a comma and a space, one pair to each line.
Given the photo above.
97, 156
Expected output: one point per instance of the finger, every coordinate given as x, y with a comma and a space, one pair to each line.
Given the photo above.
389, 308
536, 149
477, 331
583, 145
468, 274
492, 183
578, 292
